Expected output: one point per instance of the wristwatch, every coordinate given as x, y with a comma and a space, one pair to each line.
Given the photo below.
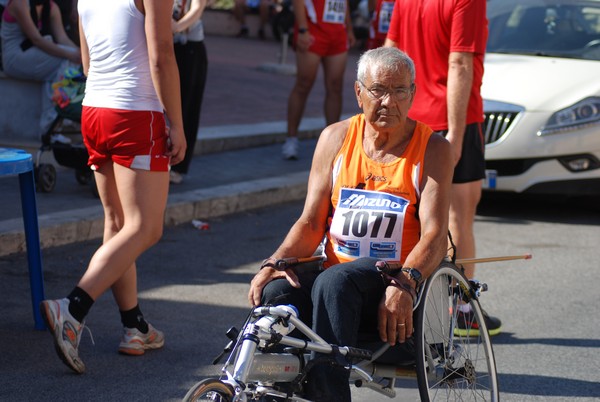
414, 274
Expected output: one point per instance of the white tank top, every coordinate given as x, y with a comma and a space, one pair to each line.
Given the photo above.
119, 73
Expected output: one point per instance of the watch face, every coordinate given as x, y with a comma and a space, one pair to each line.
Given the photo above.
416, 275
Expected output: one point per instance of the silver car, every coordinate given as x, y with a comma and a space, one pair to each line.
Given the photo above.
541, 90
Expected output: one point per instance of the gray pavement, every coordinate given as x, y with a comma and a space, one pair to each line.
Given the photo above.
238, 164
193, 286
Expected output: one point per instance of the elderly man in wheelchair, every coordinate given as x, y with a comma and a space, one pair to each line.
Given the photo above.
379, 189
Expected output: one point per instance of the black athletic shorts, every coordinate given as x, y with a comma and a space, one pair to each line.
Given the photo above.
471, 166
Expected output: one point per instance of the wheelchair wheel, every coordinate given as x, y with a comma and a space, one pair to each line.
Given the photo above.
449, 366
209, 389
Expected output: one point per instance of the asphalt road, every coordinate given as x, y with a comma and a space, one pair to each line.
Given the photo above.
193, 286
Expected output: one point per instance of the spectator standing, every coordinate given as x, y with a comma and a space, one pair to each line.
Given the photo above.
447, 39
192, 62
36, 47
322, 36
132, 84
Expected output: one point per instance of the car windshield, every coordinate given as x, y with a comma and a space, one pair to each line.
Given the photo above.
553, 28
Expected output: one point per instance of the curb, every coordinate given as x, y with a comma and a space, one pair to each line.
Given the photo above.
213, 139
83, 224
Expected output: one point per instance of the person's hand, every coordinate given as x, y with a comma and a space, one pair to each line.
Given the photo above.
395, 316
177, 145
266, 275
304, 41
457, 142
75, 56
351, 38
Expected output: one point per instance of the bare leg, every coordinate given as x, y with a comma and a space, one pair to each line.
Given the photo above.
463, 206
334, 67
134, 203
113, 222
307, 65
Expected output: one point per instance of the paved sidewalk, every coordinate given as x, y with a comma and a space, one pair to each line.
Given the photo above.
238, 164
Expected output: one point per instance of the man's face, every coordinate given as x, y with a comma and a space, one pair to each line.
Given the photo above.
385, 97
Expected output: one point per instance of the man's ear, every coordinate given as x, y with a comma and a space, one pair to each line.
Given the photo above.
357, 92
412, 95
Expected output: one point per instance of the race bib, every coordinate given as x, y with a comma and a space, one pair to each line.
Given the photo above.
385, 16
368, 224
334, 11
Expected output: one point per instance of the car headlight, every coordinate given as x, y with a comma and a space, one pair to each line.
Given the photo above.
584, 112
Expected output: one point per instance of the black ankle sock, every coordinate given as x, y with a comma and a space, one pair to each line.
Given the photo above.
134, 319
80, 303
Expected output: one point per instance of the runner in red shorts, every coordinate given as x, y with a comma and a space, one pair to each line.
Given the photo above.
323, 33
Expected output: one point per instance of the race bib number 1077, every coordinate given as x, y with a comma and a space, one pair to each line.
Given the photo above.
368, 224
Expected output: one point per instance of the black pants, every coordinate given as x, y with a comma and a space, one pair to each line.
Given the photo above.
192, 62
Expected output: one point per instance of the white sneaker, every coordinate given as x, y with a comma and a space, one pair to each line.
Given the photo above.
134, 342
290, 148
66, 331
175, 177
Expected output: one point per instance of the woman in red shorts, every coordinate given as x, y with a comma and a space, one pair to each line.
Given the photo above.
132, 84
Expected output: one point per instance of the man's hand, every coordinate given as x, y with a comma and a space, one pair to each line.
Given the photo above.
395, 316
456, 140
351, 37
265, 276
304, 41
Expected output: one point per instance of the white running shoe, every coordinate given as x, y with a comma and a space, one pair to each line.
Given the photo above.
134, 342
290, 148
175, 177
66, 331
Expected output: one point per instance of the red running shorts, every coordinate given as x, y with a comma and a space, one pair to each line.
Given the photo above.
136, 139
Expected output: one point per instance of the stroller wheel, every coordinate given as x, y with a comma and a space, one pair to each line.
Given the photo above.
46, 178
83, 177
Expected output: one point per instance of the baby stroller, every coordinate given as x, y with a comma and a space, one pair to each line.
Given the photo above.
65, 141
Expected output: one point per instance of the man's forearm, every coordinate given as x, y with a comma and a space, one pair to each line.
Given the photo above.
460, 81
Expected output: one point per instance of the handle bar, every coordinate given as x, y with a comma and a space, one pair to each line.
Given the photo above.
284, 263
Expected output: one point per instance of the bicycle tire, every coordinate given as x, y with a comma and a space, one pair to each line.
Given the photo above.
449, 366
209, 389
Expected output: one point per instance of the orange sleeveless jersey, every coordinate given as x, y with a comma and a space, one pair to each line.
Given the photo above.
374, 205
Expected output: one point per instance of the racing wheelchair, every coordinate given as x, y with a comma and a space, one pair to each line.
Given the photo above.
449, 363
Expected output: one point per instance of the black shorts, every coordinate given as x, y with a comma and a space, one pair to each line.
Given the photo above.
471, 166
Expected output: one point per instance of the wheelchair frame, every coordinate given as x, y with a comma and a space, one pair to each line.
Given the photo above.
448, 366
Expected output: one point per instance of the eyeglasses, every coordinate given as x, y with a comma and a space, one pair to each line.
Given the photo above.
398, 93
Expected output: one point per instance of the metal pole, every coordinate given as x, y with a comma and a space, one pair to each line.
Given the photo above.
493, 259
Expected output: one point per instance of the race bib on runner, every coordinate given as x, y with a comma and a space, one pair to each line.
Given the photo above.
334, 11
368, 224
385, 16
